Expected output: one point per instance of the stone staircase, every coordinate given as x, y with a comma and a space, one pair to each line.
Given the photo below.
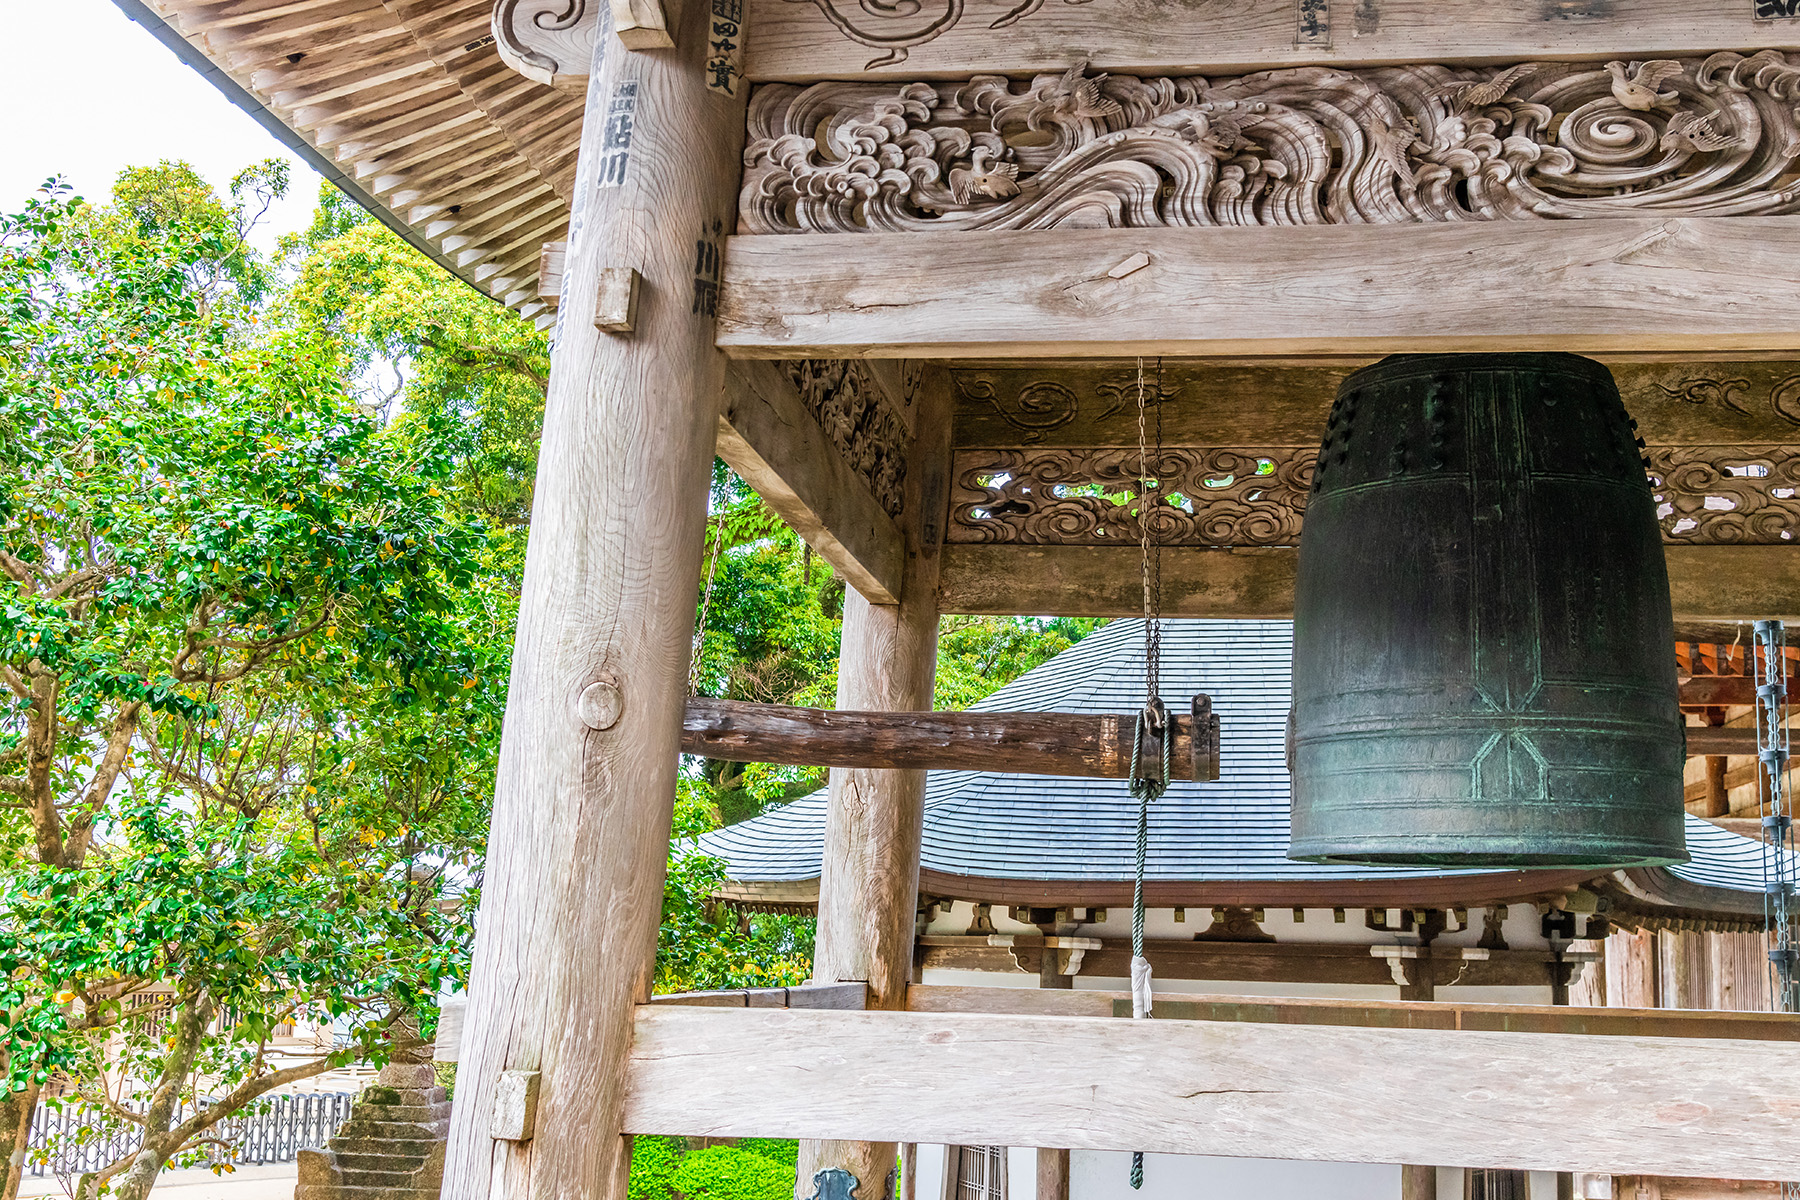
391, 1148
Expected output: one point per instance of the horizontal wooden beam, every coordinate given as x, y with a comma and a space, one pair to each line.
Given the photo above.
849, 996
1641, 1105
1707, 583
1269, 405
1713, 691
1704, 287
767, 436
1379, 1014
1083, 745
800, 42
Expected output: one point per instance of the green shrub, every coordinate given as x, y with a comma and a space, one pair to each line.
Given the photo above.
733, 1173
653, 1163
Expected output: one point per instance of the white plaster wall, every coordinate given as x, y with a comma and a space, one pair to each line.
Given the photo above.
928, 1178
1105, 1175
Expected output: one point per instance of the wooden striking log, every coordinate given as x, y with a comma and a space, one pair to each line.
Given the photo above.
573, 897
1083, 745
1646, 1105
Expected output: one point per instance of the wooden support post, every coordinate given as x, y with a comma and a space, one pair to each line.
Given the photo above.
1052, 1175
1418, 1183
570, 909
869, 879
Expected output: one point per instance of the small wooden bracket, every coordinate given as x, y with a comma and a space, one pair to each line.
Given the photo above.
641, 24
515, 1106
615, 311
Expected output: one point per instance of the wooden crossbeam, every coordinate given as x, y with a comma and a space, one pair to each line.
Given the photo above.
1527, 1101
1711, 691
1700, 287
1083, 745
800, 42
767, 436
1706, 583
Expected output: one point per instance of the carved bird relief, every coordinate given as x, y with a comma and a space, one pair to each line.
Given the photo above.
1391, 147
1695, 132
1078, 96
984, 177
1639, 93
1219, 135
1471, 94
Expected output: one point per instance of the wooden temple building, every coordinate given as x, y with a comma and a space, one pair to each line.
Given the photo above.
923, 271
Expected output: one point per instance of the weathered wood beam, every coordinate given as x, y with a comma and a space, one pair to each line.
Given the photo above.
1707, 691
1274, 404
1380, 1014
1647, 1105
768, 437
853, 996
801, 43
1085, 745
1707, 583
1703, 287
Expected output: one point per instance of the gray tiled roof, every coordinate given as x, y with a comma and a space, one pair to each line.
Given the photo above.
1039, 828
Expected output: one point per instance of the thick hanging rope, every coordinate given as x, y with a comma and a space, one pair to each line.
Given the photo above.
1148, 781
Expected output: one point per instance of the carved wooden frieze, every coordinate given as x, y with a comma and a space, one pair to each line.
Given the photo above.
1708, 136
1089, 497
1715, 495
549, 41
1217, 497
856, 415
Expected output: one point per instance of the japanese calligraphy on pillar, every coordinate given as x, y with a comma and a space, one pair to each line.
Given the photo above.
725, 47
1312, 22
706, 271
615, 143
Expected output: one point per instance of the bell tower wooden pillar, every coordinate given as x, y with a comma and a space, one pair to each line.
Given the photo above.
573, 892
869, 879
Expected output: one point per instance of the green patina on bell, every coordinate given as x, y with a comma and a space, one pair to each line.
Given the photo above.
1484, 661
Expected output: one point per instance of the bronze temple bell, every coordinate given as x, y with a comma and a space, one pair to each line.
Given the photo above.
1484, 660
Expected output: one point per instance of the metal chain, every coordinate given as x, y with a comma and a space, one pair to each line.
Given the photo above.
1769, 663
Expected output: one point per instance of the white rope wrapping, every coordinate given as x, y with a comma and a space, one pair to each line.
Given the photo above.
1140, 987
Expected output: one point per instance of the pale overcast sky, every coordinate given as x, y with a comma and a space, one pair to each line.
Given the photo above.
84, 92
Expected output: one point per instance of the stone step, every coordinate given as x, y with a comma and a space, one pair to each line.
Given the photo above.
412, 1147
337, 1192
364, 1177
365, 1126
379, 1160
377, 1093
401, 1112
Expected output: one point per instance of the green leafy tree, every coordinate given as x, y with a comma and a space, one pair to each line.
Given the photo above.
222, 581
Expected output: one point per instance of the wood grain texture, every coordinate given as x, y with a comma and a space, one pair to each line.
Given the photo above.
1714, 1107
1285, 404
768, 437
1707, 287
798, 42
869, 881
1082, 745
1706, 583
573, 892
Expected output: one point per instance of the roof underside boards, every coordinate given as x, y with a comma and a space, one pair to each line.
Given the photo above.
1015, 827
409, 100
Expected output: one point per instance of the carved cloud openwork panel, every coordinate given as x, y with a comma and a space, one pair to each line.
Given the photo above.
858, 420
1727, 494
1090, 497
1217, 497
1710, 136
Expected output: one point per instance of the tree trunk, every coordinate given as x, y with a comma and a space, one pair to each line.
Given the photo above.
566, 942
190, 1029
16, 1112
869, 880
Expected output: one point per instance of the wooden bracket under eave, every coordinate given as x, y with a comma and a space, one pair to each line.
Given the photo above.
641, 24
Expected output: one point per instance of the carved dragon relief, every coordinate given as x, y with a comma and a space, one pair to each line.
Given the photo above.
857, 418
1706, 136
1216, 497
